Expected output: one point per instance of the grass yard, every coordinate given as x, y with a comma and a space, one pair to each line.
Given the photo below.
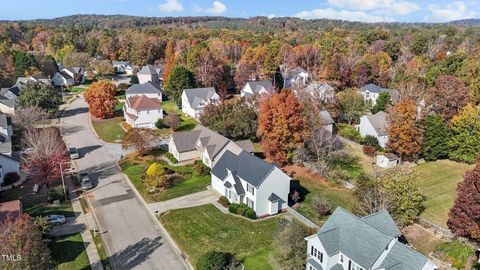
109, 130
68, 252
77, 90
438, 181
200, 229
195, 183
187, 123
101, 251
45, 209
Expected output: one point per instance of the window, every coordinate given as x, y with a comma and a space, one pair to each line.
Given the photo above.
251, 189
250, 203
311, 251
320, 256
226, 192
341, 258
349, 265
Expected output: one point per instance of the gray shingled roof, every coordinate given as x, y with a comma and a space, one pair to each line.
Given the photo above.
402, 257
295, 72
11, 92
274, 198
373, 88
213, 142
146, 88
7, 102
65, 75
248, 167
120, 63
257, 86
5, 147
315, 264
379, 121
148, 69
3, 121
383, 222
246, 145
337, 267
185, 141
196, 95
326, 118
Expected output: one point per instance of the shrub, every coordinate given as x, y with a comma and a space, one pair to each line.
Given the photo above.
349, 132
455, 251
223, 201
232, 208
241, 210
321, 206
369, 150
159, 124
370, 140
10, 178
250, 213
215, 260
171, 157
56, 193
200, 168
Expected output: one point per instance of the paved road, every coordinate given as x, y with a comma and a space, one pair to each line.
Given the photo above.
195, 199
131, 235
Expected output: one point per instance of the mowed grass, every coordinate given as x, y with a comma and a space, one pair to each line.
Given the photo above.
109, 130
438, 181
200, 229
69, 253
187, 123
46, 209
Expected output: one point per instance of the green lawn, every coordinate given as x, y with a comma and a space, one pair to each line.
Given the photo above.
200, 229
45, 209
77, 90
187, 123
69, 253
109, 130
134, 170
438, 181
101, 251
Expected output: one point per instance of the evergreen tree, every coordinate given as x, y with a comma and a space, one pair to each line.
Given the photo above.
436, 135
23, 62
181, 78
382, 102
36, 94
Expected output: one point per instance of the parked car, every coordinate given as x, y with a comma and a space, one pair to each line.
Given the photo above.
73, 153
85, 181
56, 219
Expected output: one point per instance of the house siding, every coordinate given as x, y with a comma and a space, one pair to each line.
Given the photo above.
8, 165
276, 182
365, 128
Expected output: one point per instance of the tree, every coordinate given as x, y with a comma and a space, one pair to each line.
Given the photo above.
134, 80
464, 217
172, 121
351, 105
321, 206
76, 59
436, 136
234, 119
60, 54
169, 60
215, 260
28, 116
289, 245
37, 94
448, 96
181, 78
104, 68
282, 126
371, 195
24, 63
464, 143
22, 238
404, 134
141, 139
382, 102
101, 100
155, 176
49, 153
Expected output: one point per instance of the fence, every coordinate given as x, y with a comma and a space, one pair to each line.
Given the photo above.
302, 218
435, 229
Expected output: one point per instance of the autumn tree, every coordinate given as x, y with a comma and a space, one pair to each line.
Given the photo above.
371, 195
448, 96
351, 105
22, 237
28, 116
48, 154
101, 100
37, 94
172, 121
155, 176
436, 135
208, 67
282, 126
464, 217
104, 67
464, 143
140, 139
404, 134
76, 59
181, 78
169, 60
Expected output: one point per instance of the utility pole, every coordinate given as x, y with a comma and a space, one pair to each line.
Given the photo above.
63, 182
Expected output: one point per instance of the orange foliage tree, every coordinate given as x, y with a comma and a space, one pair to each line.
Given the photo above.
169, 60
282, 126
404, 135
100, 97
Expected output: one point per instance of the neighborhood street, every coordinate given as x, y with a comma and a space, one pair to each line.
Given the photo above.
132, 237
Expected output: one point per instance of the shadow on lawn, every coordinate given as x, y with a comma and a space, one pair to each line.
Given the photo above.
296, 186
135, 254
67, 251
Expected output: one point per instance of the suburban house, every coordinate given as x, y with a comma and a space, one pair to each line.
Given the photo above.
148, 74
321, 91
245, 178
346, 241
201, 143
7, 105
252, 88
194, 100
62, 78
42, 78
77, 73
6, 132
387, 160
327, 121
294, 78
122, 67
370, 93
143, 105
12, 209
8, 164
375, 125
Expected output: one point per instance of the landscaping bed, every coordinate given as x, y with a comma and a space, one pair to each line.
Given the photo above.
200, 229
68, 252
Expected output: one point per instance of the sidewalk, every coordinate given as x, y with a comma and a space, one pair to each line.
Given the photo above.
191, 200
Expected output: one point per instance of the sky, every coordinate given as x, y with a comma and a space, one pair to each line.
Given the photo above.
352, 10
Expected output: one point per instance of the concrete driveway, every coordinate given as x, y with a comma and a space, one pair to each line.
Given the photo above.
132, 237
191, 200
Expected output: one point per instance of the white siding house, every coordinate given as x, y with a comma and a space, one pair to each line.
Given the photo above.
387, 160
375, 125
245, 178
122, 67
8, 165
148, 74
370, 93
252, 88
143, 105
295, 78
62, 78
195, 100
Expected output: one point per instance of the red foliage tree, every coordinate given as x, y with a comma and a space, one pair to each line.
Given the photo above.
464, 217
100, 97
281, 126
448, 97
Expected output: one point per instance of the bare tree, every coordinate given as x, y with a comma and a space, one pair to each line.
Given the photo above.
28, 116
141, 139
372, 197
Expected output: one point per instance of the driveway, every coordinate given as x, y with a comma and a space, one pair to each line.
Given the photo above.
132, 237
71, 226
195, 199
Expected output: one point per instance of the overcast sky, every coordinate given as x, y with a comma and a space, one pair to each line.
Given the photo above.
353, 10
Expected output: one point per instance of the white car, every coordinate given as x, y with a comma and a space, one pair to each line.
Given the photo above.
56, 219
73, 153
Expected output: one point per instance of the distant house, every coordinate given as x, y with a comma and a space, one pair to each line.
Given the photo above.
346, 241
41, 78
6, 132
252, 88
122, 67
375, 125
245, 178
321, 91
387, 160
77, 73
200, 143
143, 105
148, 74
327, 121
10, 209
62, 78
370, 93
194, 100
294, 78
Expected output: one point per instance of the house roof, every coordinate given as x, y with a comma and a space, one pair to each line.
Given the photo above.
212, 141
5, 147
185, 141
315, 264
246, 145
120, 63
145, 88
390, 156
196, 96
274, 198
148, 70
248, 167
373, 88
319, 88
326, 118
7, 102
11, 92
142, 103
337, 267
383, 222
65, 75
379, 122
401, 257
3, 121
257, 86
295, 72
10, 209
